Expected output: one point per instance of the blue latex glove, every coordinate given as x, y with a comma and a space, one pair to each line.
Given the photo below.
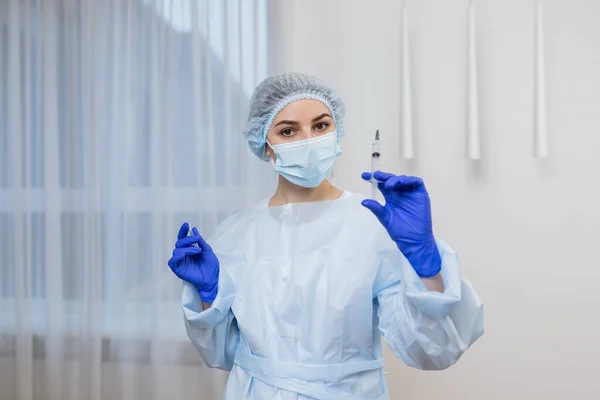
406, 216
197, 265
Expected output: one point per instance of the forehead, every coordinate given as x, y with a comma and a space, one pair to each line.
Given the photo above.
304, 109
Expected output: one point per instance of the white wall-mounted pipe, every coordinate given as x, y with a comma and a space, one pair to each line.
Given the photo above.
473, 133
407, 125
540, 146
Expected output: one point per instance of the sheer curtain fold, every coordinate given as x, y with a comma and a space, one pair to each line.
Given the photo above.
121, 119
16, 109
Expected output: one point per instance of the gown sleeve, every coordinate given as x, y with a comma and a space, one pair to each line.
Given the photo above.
214, 331
427, 330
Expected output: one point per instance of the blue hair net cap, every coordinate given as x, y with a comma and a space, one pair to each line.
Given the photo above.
275, 93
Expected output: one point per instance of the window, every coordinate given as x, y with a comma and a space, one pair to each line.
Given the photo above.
118, 121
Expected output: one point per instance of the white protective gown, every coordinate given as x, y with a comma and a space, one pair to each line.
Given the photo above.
305, 292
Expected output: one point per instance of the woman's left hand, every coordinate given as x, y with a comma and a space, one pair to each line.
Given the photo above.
406, 216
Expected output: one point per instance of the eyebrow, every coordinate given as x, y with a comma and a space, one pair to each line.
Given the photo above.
290, 122
321, 116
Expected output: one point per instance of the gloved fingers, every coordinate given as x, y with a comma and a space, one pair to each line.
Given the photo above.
186, 251
201, 242
377, 209
173, 261
403, 182
193, 239
180, 254
188, 241
378, 175
183, 231
366, 176
382, 176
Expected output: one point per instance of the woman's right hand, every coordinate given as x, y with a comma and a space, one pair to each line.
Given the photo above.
197, 265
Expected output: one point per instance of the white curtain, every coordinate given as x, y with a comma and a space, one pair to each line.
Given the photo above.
119, 120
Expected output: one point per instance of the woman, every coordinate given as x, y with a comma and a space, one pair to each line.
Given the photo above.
295, 292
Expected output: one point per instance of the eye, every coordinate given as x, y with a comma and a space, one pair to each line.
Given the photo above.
288, 132
321, 126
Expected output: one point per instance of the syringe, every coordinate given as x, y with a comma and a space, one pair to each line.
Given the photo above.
375, 159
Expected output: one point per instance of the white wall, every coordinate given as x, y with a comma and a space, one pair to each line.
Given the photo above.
526, 230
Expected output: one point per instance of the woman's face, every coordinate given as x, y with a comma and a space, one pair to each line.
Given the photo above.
300, 120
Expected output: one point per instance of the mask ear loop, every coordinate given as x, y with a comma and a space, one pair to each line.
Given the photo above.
333, 170
272, 161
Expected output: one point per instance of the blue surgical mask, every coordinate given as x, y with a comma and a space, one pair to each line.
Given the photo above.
308, 162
